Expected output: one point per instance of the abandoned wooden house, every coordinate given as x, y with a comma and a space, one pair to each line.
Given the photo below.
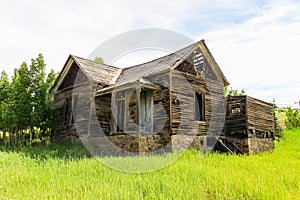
167, 104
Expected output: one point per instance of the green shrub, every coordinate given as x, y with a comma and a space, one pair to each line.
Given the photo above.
292, 118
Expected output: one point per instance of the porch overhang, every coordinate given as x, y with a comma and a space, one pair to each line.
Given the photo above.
143, 83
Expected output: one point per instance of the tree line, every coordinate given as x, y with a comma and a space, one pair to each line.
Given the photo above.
27, 111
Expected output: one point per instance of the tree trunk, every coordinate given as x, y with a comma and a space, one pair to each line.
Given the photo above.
21, 137
10, 137
4, 137
16, 136
30, 136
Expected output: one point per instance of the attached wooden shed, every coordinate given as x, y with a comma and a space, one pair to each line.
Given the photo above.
249, 125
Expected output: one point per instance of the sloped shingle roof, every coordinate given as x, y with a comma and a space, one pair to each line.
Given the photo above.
134, 73
114, 76
98, 72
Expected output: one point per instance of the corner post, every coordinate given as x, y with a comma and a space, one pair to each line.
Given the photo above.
91, 101
138, 109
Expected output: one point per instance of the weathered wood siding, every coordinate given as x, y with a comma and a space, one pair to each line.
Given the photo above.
260, 116
161, 104
196, 75
236, 117
246, 115
103, 112
82, 89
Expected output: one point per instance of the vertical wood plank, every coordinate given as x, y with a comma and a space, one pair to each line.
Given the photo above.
151, 110
170, 102
113, 110
138, 99
90, 115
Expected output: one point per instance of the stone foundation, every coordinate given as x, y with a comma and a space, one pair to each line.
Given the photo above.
130, 144
257, 145
183, 142
127, 144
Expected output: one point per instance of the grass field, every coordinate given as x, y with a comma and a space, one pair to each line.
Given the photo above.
65, 172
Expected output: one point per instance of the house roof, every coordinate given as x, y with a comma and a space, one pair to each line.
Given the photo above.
98, 72
112, 76
95, 71
134, 73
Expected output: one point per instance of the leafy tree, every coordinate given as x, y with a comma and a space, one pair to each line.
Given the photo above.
4, 89
26, 107
233, 92
99, 60
277, 128
292, 118
20, 102
4, 85
50, 116
38, 92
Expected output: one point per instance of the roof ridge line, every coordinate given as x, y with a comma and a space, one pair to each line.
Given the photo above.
94, 61
163, 56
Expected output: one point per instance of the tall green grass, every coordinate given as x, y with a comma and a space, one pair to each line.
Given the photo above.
68, 172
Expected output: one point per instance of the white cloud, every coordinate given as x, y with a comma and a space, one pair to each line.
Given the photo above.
58, 28
255, 42
261, 53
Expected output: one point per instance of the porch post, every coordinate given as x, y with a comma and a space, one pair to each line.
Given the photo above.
170, 102
138, 104
92, 107
113, 114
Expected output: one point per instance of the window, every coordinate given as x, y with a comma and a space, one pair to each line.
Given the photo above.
146, 111
199, 107
123, 107
199, 61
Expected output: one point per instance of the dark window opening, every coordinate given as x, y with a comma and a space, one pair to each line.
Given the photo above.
74, 108
69, 107
66, 111
199, 107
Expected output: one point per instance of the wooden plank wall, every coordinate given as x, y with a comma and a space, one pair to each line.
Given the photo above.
161, 103
185, 82
80, 112
103, 112
246, 113
236, 117
260, 116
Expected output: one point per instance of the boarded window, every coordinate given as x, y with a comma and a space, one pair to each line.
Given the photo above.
69, 106
74, 108
146, 111
199, 107
66, 110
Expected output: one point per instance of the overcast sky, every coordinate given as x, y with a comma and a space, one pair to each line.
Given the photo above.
256, 43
